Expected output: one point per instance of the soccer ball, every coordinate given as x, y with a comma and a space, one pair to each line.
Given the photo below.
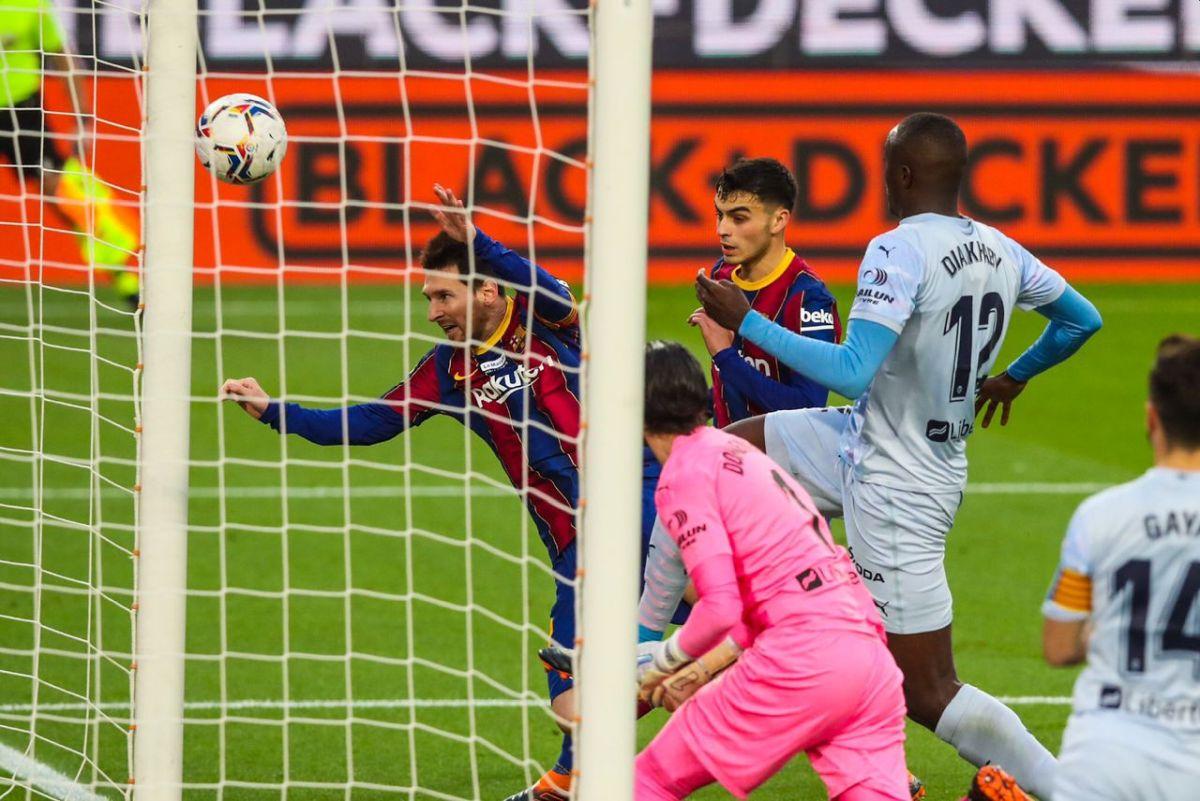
241, 138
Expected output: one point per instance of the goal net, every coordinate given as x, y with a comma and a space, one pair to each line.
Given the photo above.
361, 621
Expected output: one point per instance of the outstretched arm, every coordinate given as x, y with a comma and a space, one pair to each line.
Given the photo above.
886, 296
361, 424
407, 404
552, 301
847, 368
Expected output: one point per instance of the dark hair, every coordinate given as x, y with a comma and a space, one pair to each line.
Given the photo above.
765, 178
933, 128
445, 252
677, 396
1175, 389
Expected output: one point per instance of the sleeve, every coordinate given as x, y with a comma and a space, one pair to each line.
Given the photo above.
552, 301
766, 393
665, 581
407, 404
1039, 284
693, 521
811, 314
847, 368
1073, 320
889, 279
1070, 595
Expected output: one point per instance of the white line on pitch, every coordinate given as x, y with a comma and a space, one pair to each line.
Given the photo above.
397, 703
27, 770
482, 491
316, 703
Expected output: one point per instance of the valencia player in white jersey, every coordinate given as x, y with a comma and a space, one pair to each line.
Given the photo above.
1126, 599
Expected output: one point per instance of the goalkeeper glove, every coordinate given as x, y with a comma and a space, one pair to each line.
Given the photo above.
665, 658
684, 683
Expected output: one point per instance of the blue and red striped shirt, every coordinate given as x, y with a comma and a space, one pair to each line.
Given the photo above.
748, 381
518, 391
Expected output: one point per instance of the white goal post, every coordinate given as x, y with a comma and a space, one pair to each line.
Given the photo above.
615, 335
162, 525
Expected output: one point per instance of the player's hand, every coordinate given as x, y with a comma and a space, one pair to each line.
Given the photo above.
454, 223
723, 301
716, 338
1000, 390
248, 394
687, 681
650, 688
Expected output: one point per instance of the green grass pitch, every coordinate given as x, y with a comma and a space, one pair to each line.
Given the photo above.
448, 590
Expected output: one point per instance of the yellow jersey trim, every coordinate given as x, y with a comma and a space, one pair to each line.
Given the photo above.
498, 334
750, 286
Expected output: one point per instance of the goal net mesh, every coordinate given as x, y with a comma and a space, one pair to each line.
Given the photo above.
362, 622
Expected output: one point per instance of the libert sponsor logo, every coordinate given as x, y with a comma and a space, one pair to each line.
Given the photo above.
497, 388
944, 431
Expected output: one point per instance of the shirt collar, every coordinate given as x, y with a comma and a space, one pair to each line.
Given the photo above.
500, 331
750, 286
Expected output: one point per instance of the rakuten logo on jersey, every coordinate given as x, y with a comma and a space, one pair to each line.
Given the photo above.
818, 317
498, 388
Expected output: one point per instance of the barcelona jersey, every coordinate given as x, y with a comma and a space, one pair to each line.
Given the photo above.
748, 381
518, 391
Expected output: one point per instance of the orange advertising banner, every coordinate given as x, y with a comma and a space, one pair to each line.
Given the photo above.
1096, 172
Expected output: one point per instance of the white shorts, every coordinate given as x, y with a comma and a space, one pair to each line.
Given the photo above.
1109, 756
897, 538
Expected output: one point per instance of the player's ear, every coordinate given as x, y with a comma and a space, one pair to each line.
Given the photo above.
1153, 423
780, 219
487, 290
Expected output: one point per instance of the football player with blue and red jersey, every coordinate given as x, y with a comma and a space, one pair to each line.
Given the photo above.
510, 371
754, 201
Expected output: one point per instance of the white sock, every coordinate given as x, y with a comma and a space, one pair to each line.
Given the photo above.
983, 730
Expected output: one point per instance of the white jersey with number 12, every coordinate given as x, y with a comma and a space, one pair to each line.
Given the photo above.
947, 286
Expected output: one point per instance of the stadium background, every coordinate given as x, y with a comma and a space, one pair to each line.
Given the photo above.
1086, 147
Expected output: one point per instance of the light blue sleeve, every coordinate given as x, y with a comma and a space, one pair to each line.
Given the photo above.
847, 368
1073, 319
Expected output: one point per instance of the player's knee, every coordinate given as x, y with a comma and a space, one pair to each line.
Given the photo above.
752, 429
651, 782
927, 700
563, 707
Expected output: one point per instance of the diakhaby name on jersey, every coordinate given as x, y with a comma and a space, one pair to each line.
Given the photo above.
969, 253
497, 388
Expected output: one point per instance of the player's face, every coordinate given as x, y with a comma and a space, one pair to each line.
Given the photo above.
448, 297
745, 226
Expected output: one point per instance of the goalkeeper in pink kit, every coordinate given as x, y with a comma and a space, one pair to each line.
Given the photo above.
815, 674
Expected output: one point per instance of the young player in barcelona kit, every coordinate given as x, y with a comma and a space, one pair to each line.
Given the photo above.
517, 389
1126, 598
753, 204
933, 304
815, 674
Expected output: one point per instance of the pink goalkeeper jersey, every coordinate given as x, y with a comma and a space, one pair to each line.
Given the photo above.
721, 497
